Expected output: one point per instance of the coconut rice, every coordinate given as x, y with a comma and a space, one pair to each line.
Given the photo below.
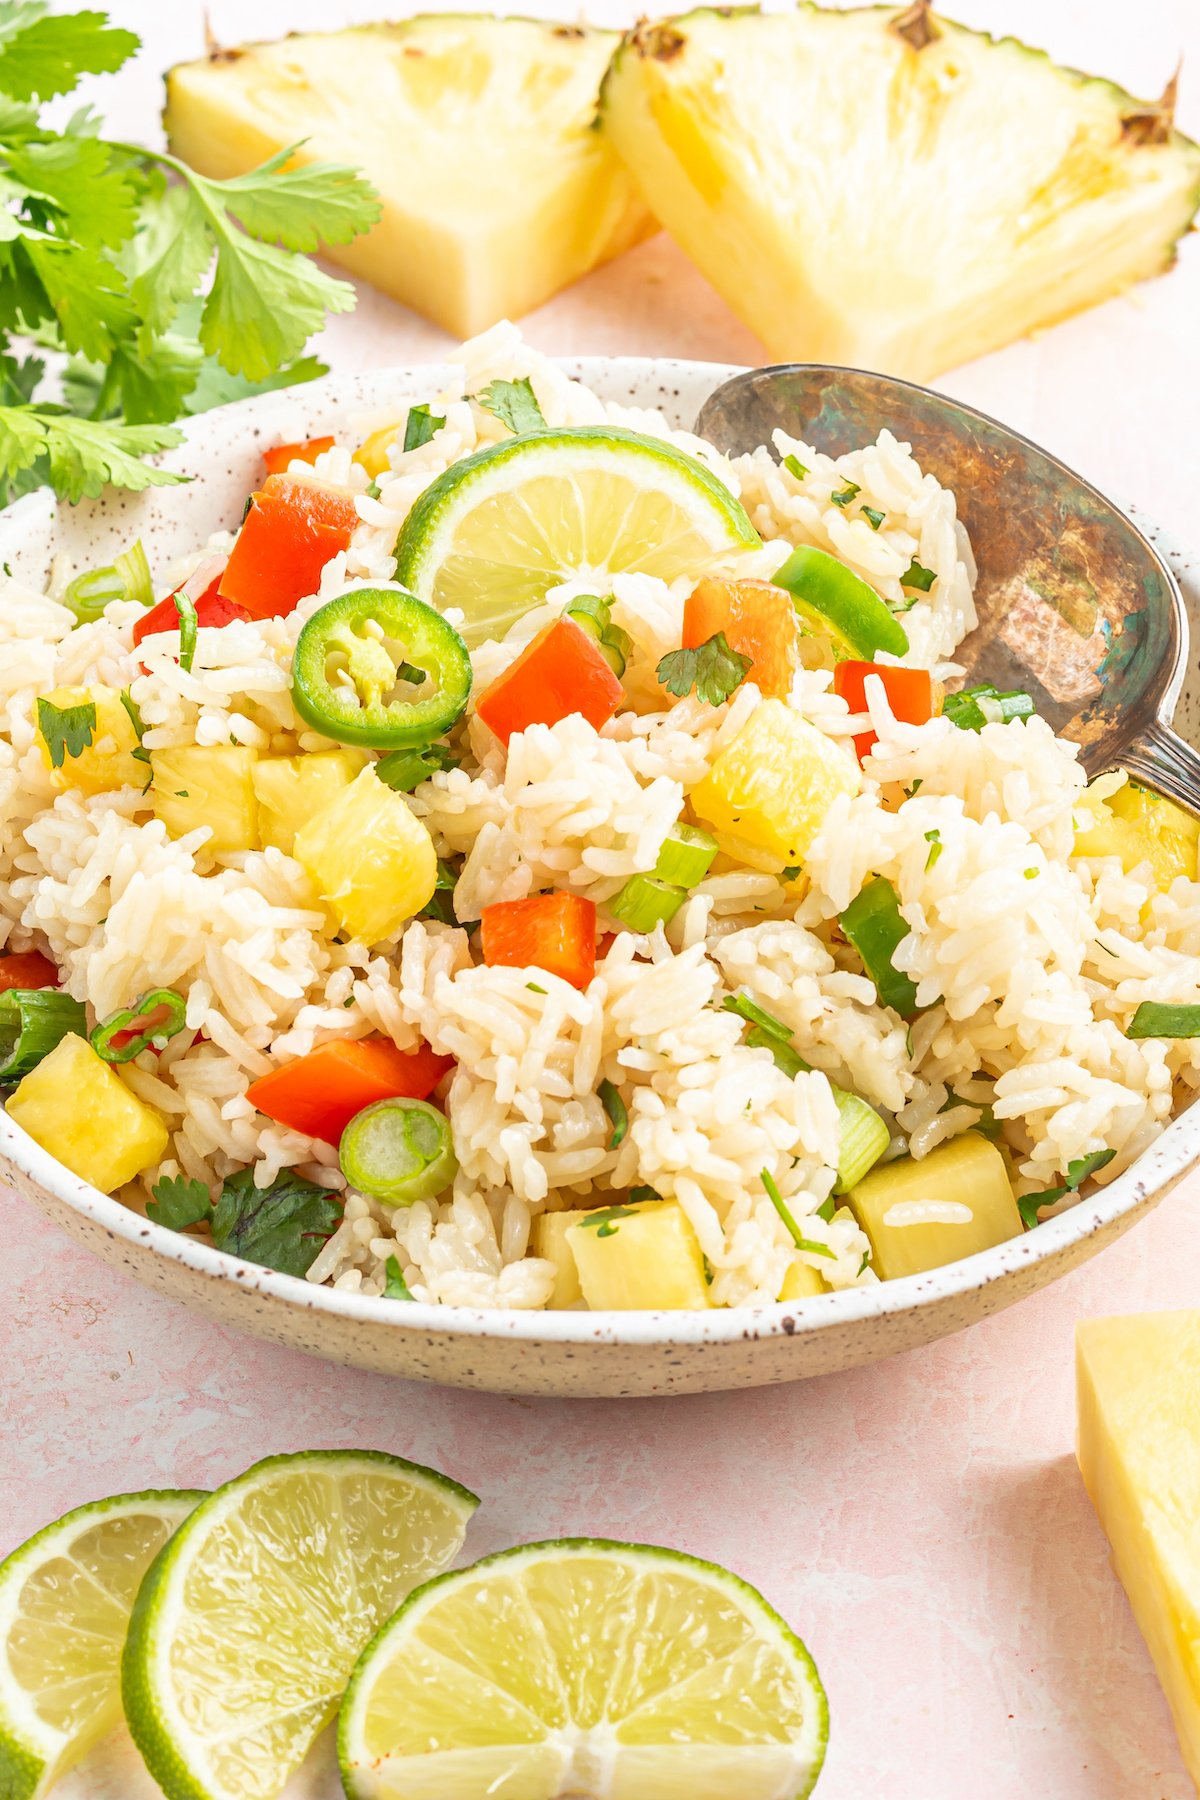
1029, 961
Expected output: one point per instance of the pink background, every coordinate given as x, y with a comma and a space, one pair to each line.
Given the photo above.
921, 1523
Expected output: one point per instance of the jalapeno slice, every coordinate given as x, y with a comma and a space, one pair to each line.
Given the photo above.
381, 668
149, 1024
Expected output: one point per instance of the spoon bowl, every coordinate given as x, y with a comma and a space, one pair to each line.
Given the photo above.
1075, 607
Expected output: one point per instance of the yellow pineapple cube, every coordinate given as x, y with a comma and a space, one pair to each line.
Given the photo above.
290, 789
635, 1256
772, 786
370, 859
210, 785
973, 1207
107, 760
1138, 826
372, 453
549, 1240
76, 1106
802, 1281
1138, 1393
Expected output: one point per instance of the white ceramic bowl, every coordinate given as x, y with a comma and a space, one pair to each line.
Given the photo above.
545, 1352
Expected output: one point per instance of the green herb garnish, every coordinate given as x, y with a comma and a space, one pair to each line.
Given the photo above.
514, 403
795, 467
1155, 1019
185, 606
420, 426
934, 840
405, 770
918, 576
846, 494
178, 1203
603, 1223
712, 669
618, 1116
781, 1207
395, 1287
974, 707
1028, 1205
66, 730
873, 517
282, 1226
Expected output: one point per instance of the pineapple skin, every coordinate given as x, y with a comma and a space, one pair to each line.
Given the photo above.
1138, 1397
811, 280
509, 233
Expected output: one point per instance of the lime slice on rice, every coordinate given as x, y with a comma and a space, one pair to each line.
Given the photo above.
248, 1624
833, 602
499, 528
584, 1667
65, 1600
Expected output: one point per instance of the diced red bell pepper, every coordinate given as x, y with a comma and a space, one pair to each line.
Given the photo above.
213, 611
27, 969
320, 1093
562, 671
555, 932
759, 621
278, 457
293, 528
911, 695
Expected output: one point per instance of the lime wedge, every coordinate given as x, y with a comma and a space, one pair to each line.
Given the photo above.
499, 528
833, 602
247, 1626
584, 1667
65, 1600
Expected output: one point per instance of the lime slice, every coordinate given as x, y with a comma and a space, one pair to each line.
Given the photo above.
248, 1624
499, 528
833, 602
65, 1600
584, 1667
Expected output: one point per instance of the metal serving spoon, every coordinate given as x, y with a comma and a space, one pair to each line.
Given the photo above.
1075, 606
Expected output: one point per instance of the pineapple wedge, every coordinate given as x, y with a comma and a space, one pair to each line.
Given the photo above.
1138, 1384
477, 132
888, 189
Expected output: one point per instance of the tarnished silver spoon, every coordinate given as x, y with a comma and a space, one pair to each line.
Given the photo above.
1075, 606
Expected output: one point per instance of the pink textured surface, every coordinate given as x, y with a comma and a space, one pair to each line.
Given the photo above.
921, 1522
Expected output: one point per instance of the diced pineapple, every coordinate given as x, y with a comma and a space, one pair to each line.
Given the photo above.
780, 149
211, 785
370, 858
1138, 826
549, 1240
477, 132
372, 453
106, 763
640, 1255
1138, 1386
919, 1215
770, 789
76, 1106
290, 789
802, 1281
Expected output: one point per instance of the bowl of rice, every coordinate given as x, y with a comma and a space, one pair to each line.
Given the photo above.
521, 902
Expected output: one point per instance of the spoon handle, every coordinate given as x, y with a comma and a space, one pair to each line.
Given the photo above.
1165, 762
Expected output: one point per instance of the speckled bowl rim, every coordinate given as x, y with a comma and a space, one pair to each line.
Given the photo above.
1171, 1155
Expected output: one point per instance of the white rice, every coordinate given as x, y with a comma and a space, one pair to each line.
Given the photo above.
1030, 962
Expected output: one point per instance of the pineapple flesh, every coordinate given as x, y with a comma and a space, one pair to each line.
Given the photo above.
477, 132
888, 189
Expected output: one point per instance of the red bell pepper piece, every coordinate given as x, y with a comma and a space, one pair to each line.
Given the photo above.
910, 695
759, 621
320, 1093
294, 527
27, 969
317, 500
561, 672
279, 456
555, 932
213, 610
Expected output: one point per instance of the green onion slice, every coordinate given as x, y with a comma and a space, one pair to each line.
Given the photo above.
398, 1150
644, 903
686, 856
614, 1106
32, 1022
1154, 1019
974, 707
781, 1207
126, 578
864, 1139
873, 923
149, 1024
185, 606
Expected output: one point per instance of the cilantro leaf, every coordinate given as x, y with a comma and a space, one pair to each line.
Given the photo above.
41, 56
713, 669
395, 1287
169, 253
66, 730
603, 1222
614, 1106
1078, 1171
845, 495
420, 426
917, 576
87, 455
514, 403
264, 305
299, 208
282, 1226
404, 770
178, 1203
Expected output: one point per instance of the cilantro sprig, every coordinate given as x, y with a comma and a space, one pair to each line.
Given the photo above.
514, 403
167, 291
713, 669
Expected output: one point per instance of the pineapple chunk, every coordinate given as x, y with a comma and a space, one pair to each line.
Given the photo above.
477, 132
769, 790
290, 789
1138, 826
370, 858
108, 761
372, 453
76, 1106
802, 1281
838, 181
968, 1181
211, 785
1138, 1386
644, 1255
549, 1240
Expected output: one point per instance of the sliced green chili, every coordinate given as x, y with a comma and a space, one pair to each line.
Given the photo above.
398, 1150
346, 671
32, 1022
873, 923
149, 1024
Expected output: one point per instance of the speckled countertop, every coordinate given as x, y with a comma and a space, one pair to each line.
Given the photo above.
921, 1522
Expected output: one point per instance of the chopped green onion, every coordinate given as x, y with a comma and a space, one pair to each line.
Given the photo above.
873, 923
32, 1022
395, 1287
786, 1059
536, 988
644, 903
795, 467
686, 856
404, 770
974, 707
864, 1139
934, 840
640, 1195
845, 495
614, 1106
827, 1209
874, 519
781, 1207
440, 904
754, 1014
917, 576
398, 1150
1153, 1019
1078, 1170
185, 606
134, 571
149, 1024
126, 578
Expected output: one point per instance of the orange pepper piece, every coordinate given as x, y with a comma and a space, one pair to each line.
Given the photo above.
759, 621
562, 671
555, 932
279, 456
320, 1093
294, 527
27, 969
910, 695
